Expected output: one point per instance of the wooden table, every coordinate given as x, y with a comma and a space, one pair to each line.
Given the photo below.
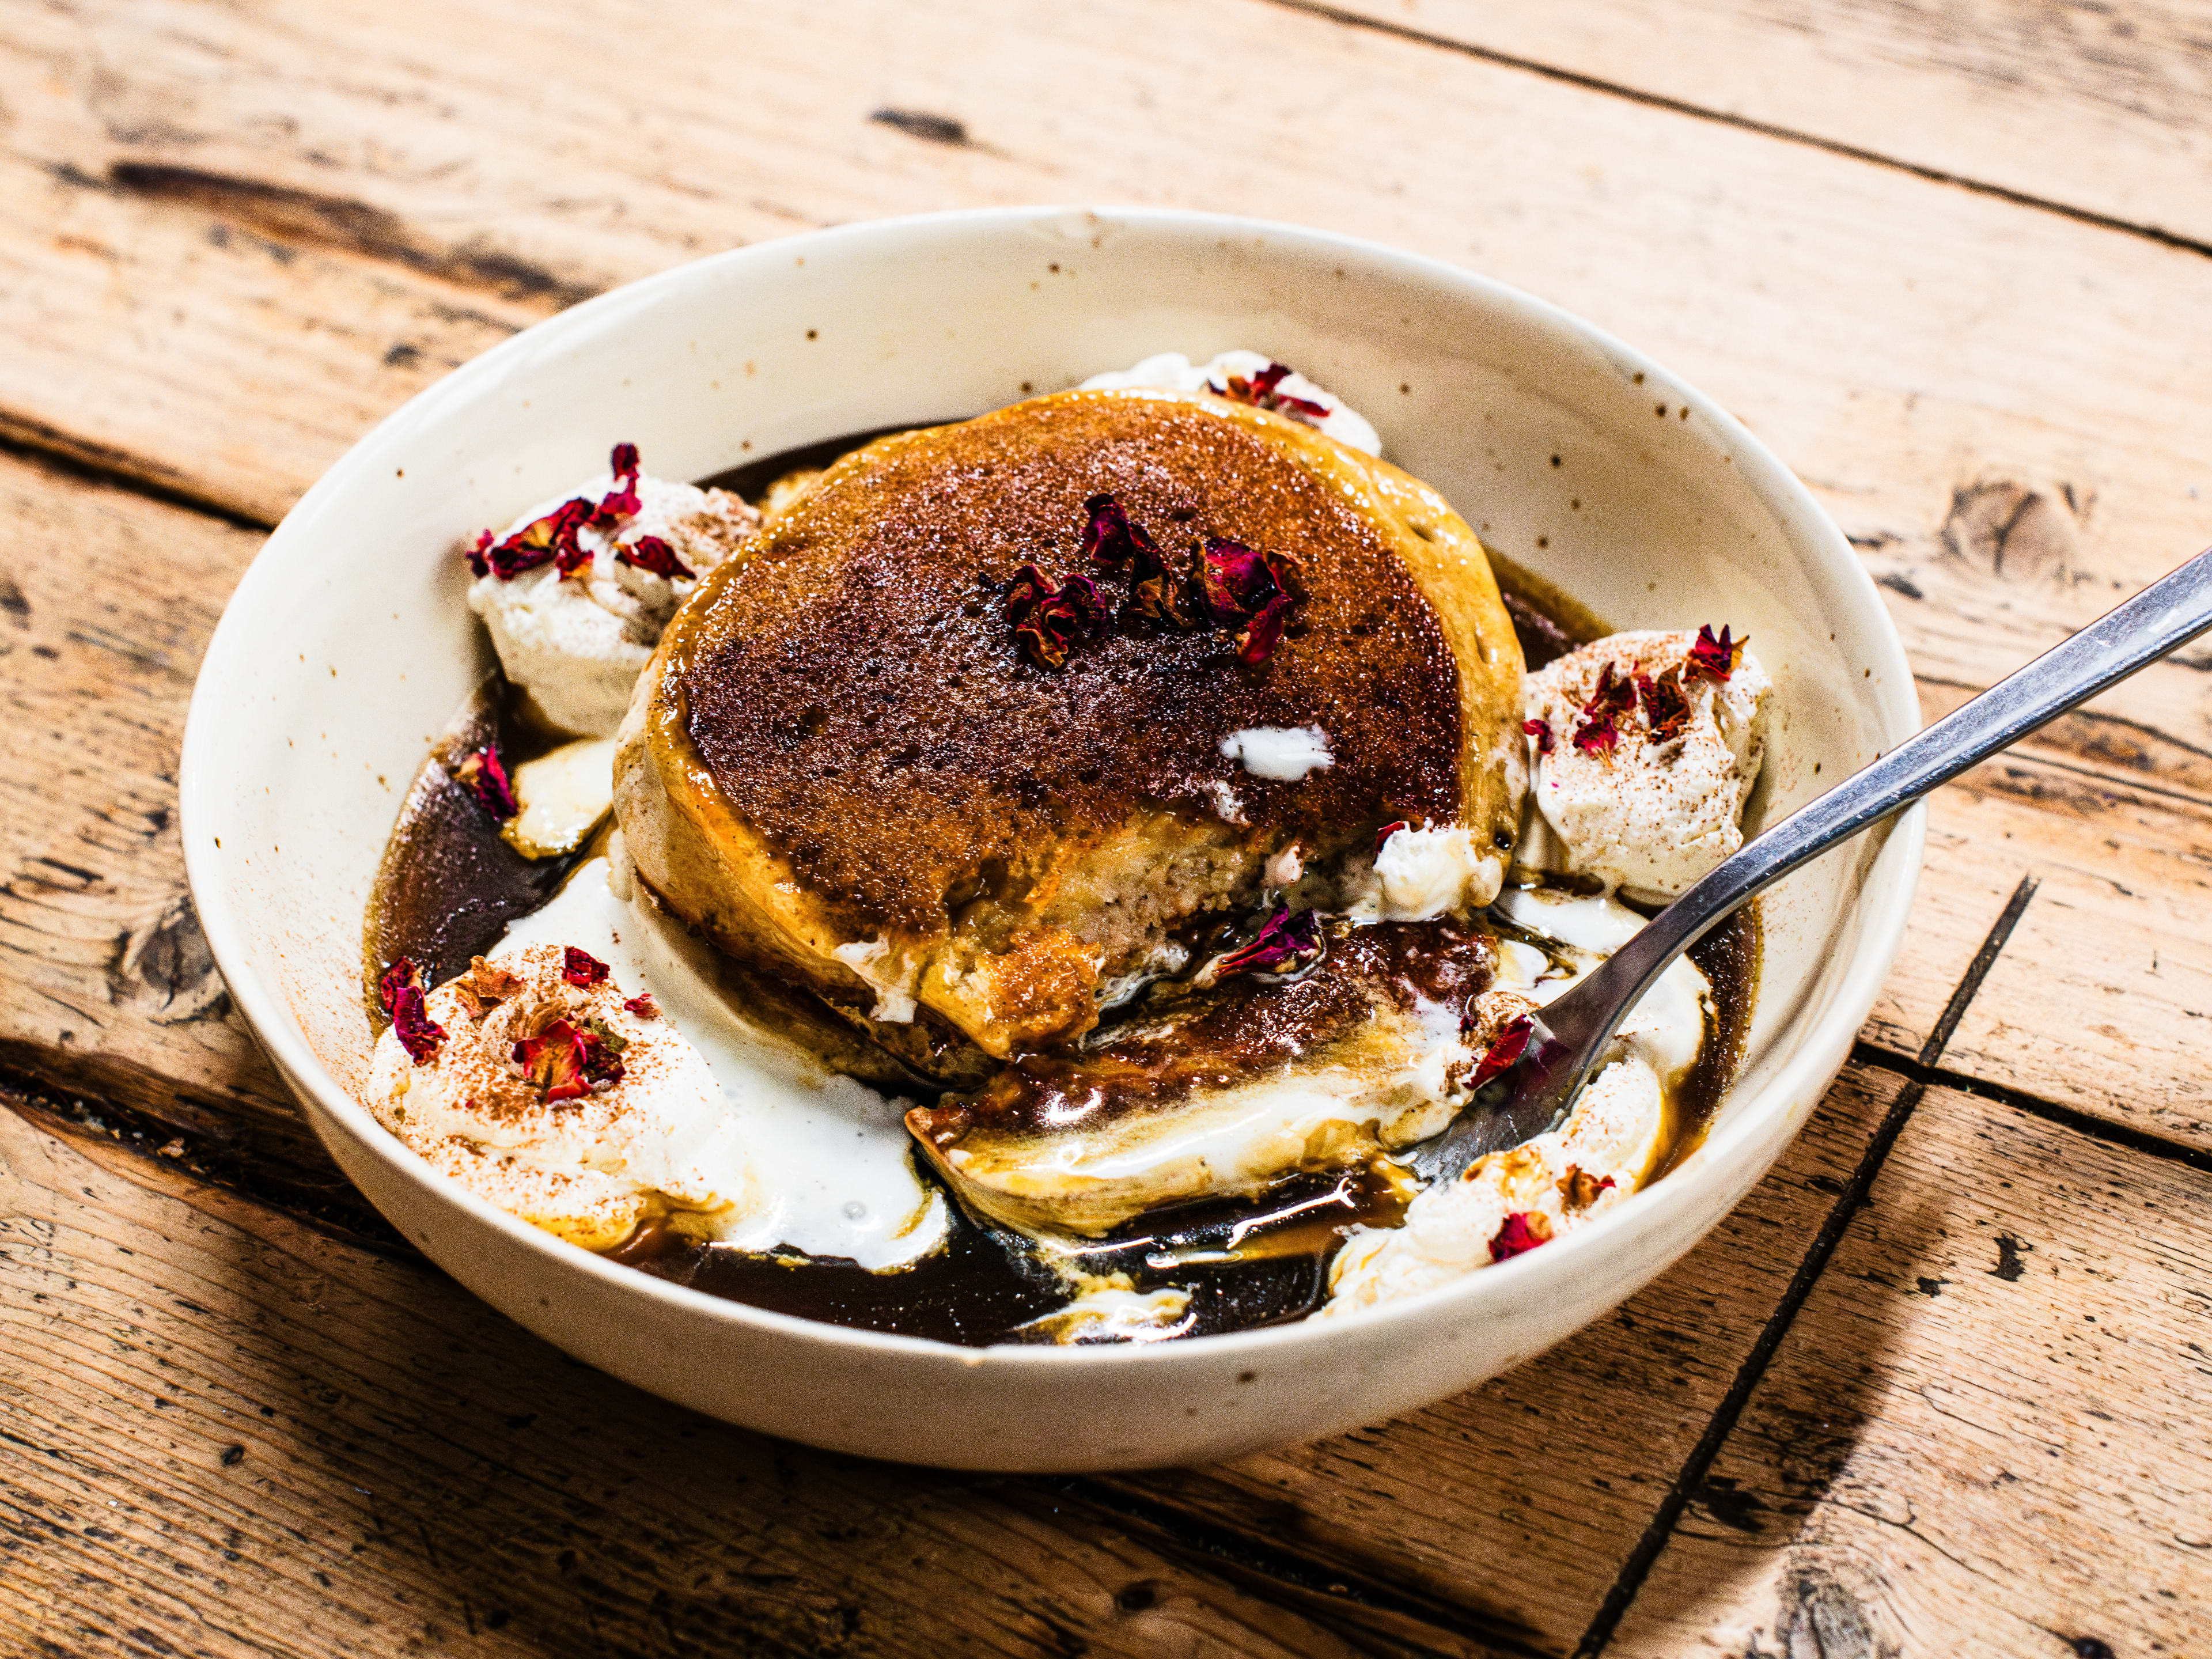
1939, 1387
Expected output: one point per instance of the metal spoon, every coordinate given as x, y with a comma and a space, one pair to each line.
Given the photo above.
1571, 1034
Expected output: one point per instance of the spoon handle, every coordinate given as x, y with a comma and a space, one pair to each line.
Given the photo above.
2164, 616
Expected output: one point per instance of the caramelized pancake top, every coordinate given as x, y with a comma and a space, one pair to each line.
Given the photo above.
853, 690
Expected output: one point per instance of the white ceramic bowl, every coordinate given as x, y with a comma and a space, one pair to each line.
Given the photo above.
348, 646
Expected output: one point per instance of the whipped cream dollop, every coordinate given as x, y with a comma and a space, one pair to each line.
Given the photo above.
1647, 745
1285, 753
1419, 875
726, 1131
832, 1169
578, 639
1511, 1201
1249, 377
591, 1165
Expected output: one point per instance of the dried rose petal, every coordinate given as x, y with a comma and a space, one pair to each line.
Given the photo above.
400, 991
479, 565
1260, 390
622, 501
1161, 595
566, 1061
655, 557
484, 987
483, 776
643, 1006
581, 967
571, 555
1386, 832
553, 1060
542, 541
1082, 597
1108, 538
601, 1044
1028, 585
1579, 1189
610, 1042
1524, 1230
1505, 1051
1597, 738
401, 974
1048, 616
1288, 941
1613, 699
1715, 658
1257, 589
1235, 579
1542, 731
1113, 542
1666, 705
492, 981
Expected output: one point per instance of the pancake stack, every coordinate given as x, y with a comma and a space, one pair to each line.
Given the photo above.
943, 743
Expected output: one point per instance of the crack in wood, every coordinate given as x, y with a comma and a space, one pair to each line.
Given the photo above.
64, 455
1350, 1603
202, 1140
308, 219
2037, 1106
919, 123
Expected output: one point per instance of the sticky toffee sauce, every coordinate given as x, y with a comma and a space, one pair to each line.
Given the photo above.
449, 886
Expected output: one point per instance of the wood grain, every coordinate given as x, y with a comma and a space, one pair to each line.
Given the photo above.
1983, 1434
2103, 109
2102, 1000
227, 1434
106, 601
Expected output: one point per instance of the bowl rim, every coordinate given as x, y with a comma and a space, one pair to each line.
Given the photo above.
1820, 1053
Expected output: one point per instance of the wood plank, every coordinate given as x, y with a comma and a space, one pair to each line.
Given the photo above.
2107, 110
226, 1433
1564, 1462
107, 985
1983, 1434
2102, 999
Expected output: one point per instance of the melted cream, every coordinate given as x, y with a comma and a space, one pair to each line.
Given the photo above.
830, 1158
1666, 1027
1420, 874
1390, 1089
1286, 753
563, 796
894, 1003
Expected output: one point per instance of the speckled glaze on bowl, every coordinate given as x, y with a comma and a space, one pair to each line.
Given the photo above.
347, 647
